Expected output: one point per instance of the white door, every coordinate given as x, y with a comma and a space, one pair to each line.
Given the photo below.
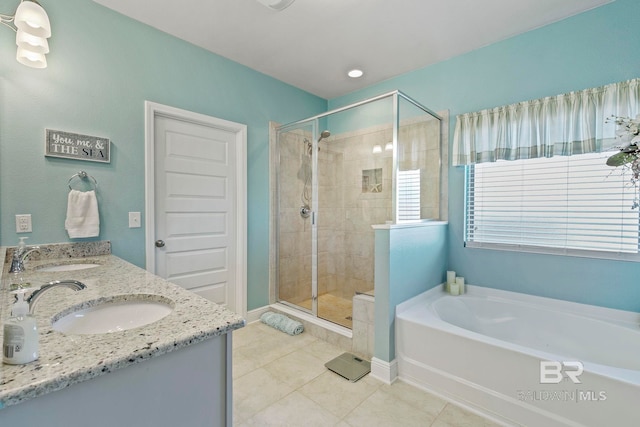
196, 233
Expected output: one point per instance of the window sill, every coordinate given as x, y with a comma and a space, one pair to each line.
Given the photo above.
580, 253
409, 224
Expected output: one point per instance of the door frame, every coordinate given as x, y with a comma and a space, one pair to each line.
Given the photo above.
153, 110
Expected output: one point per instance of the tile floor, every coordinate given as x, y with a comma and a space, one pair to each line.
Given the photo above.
280, 380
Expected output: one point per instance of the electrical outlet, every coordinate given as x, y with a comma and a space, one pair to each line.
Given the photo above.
23, 223
134, 219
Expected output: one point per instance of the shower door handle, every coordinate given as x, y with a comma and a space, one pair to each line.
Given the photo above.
305, 211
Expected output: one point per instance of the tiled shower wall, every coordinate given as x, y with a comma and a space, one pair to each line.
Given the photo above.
351, 265
347, 209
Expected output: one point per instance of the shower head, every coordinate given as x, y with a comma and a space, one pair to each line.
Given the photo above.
324, 134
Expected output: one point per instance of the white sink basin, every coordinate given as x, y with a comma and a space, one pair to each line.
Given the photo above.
67, 267
118, 314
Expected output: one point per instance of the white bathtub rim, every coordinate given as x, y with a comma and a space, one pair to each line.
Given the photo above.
612, 315
620, 374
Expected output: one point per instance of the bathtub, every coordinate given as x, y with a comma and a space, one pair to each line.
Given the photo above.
520, 359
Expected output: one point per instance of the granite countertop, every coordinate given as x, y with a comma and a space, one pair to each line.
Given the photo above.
69, 359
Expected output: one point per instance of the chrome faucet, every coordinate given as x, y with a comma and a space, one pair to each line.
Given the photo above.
71, 284
19, 255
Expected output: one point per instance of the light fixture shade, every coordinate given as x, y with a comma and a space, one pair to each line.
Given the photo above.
32, 19
31, 59
31, 42
276, 4
388, 146
377, 149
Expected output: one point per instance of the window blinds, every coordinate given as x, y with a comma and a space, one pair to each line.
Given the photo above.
567, 204
409, 195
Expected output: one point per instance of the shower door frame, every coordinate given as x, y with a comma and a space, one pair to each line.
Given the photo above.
314, 123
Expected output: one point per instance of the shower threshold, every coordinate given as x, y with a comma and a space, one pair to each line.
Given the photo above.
307, 317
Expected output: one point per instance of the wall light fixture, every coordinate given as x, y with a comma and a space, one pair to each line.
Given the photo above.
32, 27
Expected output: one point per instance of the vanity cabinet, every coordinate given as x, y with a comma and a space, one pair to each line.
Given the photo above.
186, 387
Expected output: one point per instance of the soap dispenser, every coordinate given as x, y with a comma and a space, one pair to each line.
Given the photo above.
21, 244
17, 269
20, 343
19, 254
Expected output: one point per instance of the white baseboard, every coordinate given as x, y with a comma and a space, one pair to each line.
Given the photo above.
387, 372
254, 315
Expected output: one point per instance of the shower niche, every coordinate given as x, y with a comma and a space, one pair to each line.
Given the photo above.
333, 177
372, 181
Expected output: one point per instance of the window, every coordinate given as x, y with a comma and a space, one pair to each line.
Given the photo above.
575, 205
409, 195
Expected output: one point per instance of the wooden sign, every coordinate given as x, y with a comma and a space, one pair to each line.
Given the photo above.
78, 147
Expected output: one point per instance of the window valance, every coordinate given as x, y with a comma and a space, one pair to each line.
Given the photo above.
561, 125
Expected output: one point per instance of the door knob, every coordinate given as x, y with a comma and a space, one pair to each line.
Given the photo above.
159, 243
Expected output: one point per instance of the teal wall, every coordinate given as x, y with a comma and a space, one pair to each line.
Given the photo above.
408, 261
591, 49
102, 67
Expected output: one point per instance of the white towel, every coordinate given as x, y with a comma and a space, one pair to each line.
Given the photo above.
82, 214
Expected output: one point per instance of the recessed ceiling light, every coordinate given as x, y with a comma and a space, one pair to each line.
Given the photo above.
355, 73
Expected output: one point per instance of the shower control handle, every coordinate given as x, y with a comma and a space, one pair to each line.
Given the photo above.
305, 211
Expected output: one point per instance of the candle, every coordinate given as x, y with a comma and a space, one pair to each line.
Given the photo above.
460, 283
454, 289
451, 277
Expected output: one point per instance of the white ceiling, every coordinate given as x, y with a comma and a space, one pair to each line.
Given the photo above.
313, 43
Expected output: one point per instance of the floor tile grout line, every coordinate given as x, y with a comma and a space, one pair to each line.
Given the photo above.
360, 404
289, 394
410, 403
262, 365
314, 339
435, 419
377, 387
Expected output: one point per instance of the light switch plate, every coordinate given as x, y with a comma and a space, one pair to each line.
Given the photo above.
134, 219
23, 223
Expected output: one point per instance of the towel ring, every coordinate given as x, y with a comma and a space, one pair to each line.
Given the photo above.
83, 175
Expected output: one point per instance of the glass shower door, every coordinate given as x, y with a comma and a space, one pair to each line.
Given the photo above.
294, 234
334, 300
